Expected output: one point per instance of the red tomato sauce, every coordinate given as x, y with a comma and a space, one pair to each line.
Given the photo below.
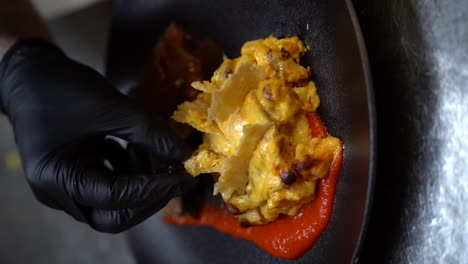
289, 236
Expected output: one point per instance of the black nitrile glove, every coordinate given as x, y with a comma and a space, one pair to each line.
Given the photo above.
61, 112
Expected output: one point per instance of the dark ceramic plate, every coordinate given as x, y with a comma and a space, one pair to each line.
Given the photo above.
339, 64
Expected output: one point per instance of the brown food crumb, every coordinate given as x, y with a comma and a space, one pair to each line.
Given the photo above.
227, 72
284, 54
290, 176
245, 224
232, 209
301, 81
267, 93
306, 164
179, 82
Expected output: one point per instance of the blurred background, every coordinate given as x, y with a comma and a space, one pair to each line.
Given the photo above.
31, 232
428, 225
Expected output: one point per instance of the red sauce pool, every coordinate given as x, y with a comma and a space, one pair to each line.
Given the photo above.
289, 236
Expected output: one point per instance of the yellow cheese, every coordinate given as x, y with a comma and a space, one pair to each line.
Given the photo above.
256, 134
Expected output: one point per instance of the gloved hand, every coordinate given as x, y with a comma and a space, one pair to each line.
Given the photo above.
61, 112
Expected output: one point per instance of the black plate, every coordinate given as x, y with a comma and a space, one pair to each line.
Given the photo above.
340, 69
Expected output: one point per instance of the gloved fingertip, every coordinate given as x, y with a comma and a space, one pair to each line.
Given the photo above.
174, 182
107, 221
185, 183
165, 143
185, 151
179, 151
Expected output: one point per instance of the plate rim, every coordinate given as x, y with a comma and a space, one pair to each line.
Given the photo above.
372, 128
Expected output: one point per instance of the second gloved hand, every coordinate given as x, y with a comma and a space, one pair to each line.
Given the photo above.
62, 112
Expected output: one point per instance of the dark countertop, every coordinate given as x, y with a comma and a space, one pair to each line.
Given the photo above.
418, 54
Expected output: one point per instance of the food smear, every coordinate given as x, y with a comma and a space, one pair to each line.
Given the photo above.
256, 136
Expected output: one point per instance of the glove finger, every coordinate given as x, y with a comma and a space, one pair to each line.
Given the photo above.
139, 159
115, 154
149, 132
128, 159
159, 140
104, 189
115, 221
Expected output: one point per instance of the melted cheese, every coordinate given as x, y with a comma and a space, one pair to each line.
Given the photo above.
256, 134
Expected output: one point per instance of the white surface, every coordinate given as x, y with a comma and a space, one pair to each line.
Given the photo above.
83, 34
54, 8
